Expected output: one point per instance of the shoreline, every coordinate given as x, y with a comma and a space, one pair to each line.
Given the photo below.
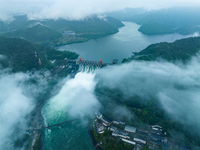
39, 117
94, 142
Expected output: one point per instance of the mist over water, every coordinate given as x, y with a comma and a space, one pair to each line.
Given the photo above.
175, 86
76, 99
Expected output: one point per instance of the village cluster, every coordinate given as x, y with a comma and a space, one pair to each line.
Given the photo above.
153, 137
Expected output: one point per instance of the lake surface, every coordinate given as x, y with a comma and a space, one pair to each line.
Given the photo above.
119, 45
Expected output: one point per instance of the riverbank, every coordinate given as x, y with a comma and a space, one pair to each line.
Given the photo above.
94, 142
39, 121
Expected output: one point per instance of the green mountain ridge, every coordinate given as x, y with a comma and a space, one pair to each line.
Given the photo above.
35, 34
180, 50
20, 55
154, 28
52, 32
182, 20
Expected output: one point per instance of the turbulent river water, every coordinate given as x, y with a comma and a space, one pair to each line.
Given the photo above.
76, 98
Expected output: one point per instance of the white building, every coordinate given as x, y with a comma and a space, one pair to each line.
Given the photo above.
139, 140
130, 129
128, 141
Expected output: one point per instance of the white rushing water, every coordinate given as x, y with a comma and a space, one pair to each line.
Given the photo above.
74, 100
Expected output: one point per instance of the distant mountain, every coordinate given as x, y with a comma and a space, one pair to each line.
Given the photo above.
183, 20
90, 27
52, 32
126, 14
20, 55
180, 50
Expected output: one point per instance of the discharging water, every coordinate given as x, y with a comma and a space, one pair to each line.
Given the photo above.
74, 100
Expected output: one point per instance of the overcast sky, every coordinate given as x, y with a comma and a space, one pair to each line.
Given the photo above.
79, 9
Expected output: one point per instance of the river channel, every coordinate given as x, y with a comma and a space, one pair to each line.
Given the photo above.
76, 96
119, 45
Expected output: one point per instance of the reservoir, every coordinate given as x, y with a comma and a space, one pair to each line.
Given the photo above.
68, 102
119, 45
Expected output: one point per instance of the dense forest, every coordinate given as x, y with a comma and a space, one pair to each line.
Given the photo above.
154, 28
36, 34
180, 50
52, 32
20, 55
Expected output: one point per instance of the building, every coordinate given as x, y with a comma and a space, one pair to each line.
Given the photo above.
130, 129
69, 33
136, 139
158, 138
120, 134
106, 121
116, 122
142, 132
98, 115
128, 141
115, 61
101, 129
113, 128
156, 129
123, 123
157, 143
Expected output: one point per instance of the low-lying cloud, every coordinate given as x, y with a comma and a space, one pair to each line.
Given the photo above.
77, 9
16, 103
76, 97
176, 86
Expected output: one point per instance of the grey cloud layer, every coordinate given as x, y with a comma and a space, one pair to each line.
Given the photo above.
77, 9
175, 86
16, 102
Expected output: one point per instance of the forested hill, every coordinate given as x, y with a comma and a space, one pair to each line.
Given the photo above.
59, 32
183, 20
19, 55
107, 25
36, 34
181, 50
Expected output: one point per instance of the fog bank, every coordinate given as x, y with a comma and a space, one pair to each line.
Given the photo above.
16, 103
75, 99
175, 86
78, 9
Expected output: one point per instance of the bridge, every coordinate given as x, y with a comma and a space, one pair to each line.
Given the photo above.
59, 124
50, 126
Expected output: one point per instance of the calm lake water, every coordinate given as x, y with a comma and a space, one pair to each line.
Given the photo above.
74, 136
119, 45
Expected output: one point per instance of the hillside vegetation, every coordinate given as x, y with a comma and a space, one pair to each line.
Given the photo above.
183, 20
53, 32
181, 50
36, 34
20, 55
154, 28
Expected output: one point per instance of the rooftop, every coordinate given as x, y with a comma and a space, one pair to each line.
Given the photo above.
130, 128
106, 119
159, 137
